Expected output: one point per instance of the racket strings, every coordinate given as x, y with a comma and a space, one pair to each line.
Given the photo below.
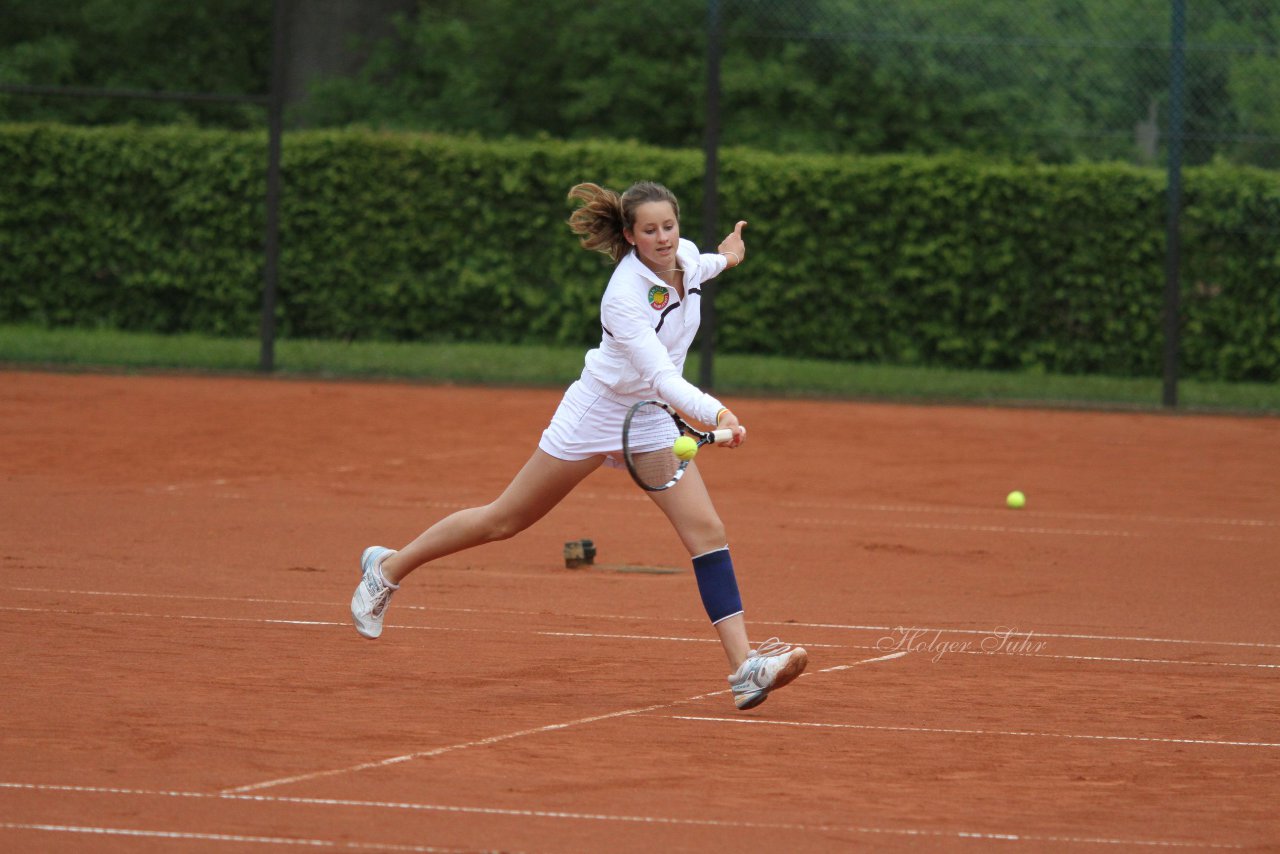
656, 468
650, 434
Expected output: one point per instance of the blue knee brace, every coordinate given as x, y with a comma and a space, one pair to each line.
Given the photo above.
717, 584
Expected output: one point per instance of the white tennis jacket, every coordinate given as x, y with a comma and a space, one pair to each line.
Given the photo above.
648, 330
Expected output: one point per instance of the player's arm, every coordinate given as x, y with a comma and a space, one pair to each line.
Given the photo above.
733, 247
649, 357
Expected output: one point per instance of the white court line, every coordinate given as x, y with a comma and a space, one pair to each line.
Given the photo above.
986, 529
1117, 660
982, 511
634, 617
630, 819
1055, 635
795, 624
889, 657
1000, 529
953, 731
608, 636
225, 837
344, 624
483, 742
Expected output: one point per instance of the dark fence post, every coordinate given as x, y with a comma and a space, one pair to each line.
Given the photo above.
710, 191
1173, 259
275, 132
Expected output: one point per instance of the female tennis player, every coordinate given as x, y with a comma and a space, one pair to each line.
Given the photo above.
649, 314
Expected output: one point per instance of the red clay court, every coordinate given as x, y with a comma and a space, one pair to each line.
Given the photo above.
1099, 671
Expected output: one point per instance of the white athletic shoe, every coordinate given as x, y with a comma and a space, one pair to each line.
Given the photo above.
768, 667
373, 594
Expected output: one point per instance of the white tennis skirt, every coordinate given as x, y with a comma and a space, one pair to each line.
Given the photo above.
588, 423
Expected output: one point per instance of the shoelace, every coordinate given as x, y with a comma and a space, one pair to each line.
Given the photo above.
772, 647
380, 599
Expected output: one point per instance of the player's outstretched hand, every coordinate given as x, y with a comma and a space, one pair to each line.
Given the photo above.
729, 421
733, 247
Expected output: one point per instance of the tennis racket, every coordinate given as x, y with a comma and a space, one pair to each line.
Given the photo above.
648, 434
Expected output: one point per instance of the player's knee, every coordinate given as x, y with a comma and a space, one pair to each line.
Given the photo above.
717, 532
707, 534
499, 525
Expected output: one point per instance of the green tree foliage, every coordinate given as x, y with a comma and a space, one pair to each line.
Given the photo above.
207, 46
556, 67
1054, 80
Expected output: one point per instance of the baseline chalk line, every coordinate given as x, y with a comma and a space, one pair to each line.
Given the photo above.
959, 731
496, 739
562, 815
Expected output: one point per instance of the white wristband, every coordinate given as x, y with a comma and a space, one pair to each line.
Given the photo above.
737, 259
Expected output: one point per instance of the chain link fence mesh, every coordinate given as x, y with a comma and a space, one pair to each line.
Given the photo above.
1052, 81
1163, 84
1055, 81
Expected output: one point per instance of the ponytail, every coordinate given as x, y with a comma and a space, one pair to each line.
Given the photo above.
599, 221
604, 217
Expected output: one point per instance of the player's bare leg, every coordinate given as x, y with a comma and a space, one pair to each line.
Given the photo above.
688, 506
772, 664
540, 485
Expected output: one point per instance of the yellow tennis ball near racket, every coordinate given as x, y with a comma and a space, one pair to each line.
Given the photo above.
685, 448
1016, 500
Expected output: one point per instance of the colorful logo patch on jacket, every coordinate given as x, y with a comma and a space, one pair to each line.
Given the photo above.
658, 298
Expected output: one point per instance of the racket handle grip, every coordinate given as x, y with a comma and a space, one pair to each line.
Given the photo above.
723, 436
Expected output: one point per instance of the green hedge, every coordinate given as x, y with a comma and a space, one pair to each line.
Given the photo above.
903, 260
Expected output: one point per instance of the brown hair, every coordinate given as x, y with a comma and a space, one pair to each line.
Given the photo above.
604, 215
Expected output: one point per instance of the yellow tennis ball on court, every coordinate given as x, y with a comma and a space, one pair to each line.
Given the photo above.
685, 448
1016, 500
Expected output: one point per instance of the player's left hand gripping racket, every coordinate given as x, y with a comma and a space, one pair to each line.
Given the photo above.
648, 433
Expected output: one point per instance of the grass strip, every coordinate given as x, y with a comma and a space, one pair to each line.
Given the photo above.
528, 365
